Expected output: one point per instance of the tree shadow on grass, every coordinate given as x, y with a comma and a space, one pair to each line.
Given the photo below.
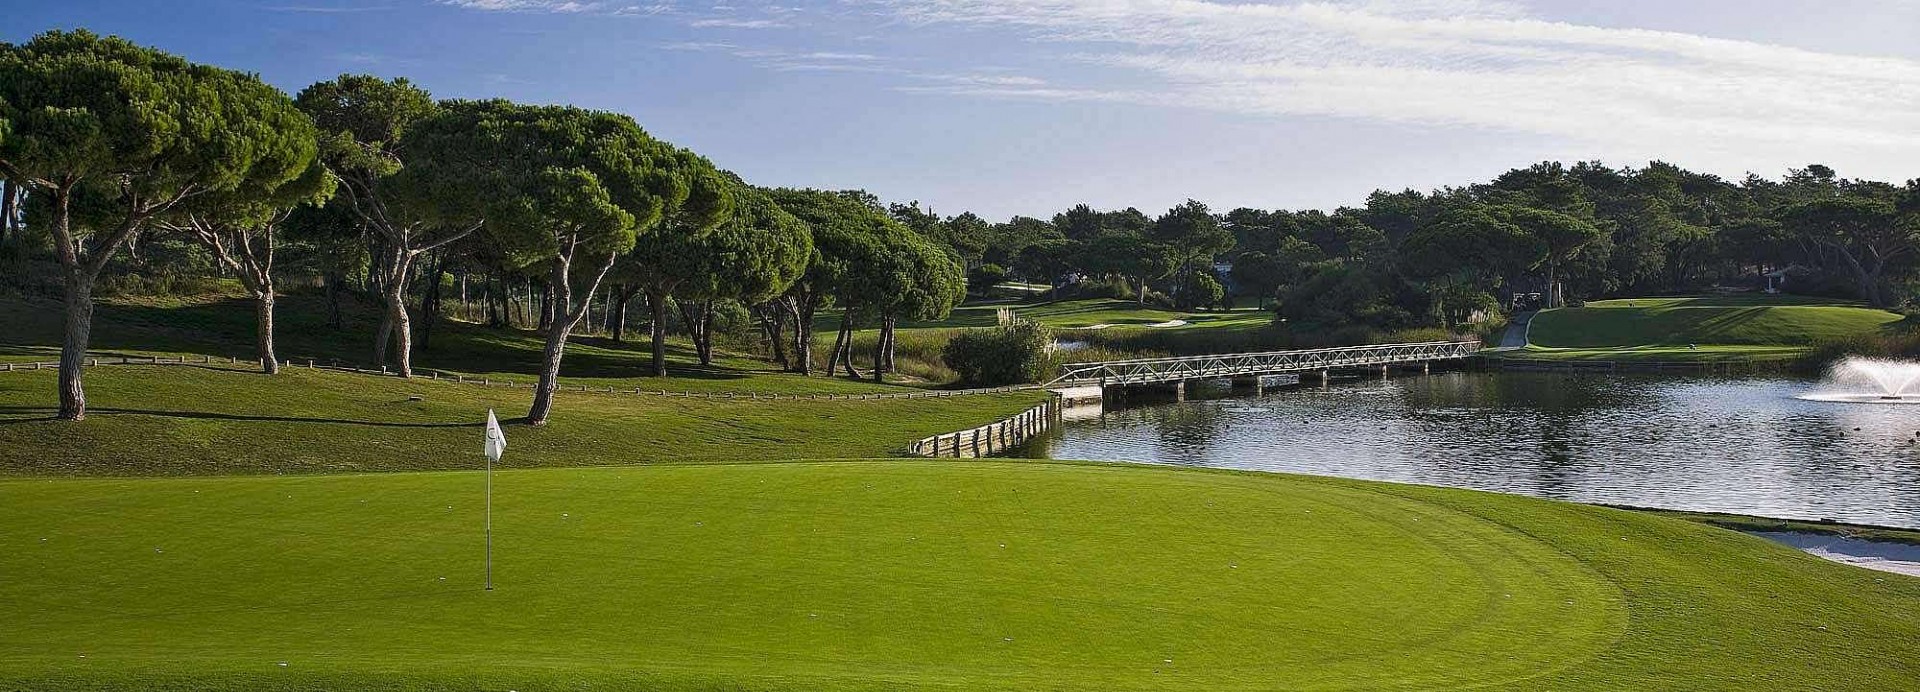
208, 415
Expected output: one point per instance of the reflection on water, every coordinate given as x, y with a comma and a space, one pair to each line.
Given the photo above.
1743, 445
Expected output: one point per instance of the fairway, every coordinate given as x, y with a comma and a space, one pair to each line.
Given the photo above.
880, 575
1740, 327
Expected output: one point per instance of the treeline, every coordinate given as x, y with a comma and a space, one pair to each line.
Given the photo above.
113, 156
119, 162
1537, 236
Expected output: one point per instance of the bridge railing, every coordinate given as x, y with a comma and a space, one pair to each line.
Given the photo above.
1146, 370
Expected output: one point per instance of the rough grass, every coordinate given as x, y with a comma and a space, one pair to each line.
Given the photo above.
909, 574
1741, 327
174, 420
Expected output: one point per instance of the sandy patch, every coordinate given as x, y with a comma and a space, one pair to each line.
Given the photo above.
1898, 558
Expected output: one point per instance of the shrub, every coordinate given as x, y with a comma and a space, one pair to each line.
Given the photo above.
1199, 290
984, 277
996, 356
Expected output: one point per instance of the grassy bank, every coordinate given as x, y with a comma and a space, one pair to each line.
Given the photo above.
1710, 328
907, 574
191, 420
223, 327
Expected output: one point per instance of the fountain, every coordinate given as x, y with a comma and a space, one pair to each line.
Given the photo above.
1870, 381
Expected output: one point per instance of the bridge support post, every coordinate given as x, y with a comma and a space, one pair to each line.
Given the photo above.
1252, 382
1426, 367
1179, 390
1383, 372
1326, 377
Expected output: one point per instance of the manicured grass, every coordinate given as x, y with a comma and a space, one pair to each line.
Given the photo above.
173, 420
909, 574
223, 327
1738, 327
1661, 354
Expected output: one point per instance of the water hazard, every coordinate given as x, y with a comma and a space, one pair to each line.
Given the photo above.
1743, 445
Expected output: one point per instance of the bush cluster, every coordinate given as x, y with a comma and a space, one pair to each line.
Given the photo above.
1019, 353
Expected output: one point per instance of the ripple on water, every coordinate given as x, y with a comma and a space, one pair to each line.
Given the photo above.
1744, 445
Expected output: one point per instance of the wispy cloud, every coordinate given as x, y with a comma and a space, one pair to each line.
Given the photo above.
735, 23
829, 61
328, 9
1478, 63
718, 16
560, 6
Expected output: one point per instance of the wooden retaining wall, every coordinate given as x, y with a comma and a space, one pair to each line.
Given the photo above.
992, 438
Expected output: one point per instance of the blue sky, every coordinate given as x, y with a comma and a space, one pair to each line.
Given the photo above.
1029, 106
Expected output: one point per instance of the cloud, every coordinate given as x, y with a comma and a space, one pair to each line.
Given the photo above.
830, 61
734, 23
557, 6
1474, 63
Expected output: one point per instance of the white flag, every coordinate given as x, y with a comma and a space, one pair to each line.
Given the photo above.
496, 440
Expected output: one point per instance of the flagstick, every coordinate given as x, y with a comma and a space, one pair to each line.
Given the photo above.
489, 522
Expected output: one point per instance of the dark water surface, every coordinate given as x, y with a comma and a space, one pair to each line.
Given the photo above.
1743, 445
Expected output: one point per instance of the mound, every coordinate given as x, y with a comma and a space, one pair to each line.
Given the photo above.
1680, 322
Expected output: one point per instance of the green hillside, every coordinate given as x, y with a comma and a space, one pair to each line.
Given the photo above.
172, 420
1731, 327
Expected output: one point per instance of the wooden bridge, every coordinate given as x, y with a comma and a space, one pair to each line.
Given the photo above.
1145, 371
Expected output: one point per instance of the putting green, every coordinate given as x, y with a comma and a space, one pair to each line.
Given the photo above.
806, 575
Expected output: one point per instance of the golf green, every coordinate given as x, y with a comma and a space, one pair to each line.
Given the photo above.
879, 575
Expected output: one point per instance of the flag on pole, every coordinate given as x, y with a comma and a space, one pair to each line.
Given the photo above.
496, 440
496, 445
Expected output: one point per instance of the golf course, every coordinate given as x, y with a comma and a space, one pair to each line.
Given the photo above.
211, 527
380, 346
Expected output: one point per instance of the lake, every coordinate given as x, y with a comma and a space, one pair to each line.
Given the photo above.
1727, 444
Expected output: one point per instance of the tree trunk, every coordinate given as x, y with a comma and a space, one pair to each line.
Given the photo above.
880, 352
801, 310
657, 302
706, 333
1864, 278
546, 308
1553, 284
697, 316
9, 197
839, 345
893, 331
1143, 290
401, 328
263, 319
773, 319
73, 350
843, 347
333, 288
430, 301
617, 317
